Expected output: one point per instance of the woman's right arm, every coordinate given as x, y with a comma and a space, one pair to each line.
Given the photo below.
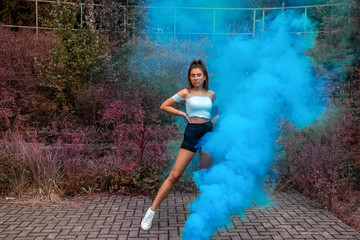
167, 106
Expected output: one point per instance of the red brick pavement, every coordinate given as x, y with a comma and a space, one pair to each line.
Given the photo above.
118, 217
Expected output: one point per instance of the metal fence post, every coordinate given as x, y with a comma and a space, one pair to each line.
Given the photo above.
175, 23
263, 20
214, 25
126, 20
254, 22
349, 14
305, 33
125, 16
37, 20
81, 15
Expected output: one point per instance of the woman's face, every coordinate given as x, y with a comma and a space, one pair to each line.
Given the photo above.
197, 77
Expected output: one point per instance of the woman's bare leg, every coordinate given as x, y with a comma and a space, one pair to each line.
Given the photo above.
182, 161
205, 160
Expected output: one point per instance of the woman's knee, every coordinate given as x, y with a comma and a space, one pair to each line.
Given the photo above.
174, 177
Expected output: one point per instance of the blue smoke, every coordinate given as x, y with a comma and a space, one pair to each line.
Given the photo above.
258, 81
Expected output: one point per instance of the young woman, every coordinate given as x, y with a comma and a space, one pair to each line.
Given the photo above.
199, 102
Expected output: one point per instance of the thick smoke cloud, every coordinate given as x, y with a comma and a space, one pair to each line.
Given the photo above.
258, 81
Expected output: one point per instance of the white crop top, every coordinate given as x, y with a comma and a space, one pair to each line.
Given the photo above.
196, 106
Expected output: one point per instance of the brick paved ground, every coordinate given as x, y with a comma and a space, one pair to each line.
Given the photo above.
118, 217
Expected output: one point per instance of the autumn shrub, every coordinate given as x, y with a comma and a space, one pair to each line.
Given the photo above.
127, 153
139, 136
20, 52
128, 150
322, 160
25, 102
92, 99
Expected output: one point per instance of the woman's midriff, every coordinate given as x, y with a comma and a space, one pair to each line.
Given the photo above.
199, 120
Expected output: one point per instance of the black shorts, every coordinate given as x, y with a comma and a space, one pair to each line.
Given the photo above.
193, 133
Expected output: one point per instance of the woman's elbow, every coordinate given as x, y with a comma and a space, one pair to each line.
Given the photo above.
162, 107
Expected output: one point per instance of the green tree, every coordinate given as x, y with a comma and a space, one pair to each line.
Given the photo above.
79, 58
337, 44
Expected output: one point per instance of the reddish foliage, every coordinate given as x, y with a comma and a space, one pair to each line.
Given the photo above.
324, 159
136, 132
90, 101
19, 53
128, 142
122, 143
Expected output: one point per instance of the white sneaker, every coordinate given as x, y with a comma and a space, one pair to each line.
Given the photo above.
147, 220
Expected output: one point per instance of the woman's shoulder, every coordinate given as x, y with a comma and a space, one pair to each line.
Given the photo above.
211, 94
183, 93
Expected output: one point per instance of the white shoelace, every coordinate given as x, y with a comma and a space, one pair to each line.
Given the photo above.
147, 217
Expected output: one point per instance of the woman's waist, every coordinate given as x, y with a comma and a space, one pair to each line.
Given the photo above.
198, 120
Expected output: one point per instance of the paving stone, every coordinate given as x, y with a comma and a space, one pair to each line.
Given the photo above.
292, 216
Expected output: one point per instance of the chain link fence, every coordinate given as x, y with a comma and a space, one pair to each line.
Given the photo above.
220, 21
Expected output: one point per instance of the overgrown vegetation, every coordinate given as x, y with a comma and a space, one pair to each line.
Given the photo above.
323, 160
70, 99
79, 113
